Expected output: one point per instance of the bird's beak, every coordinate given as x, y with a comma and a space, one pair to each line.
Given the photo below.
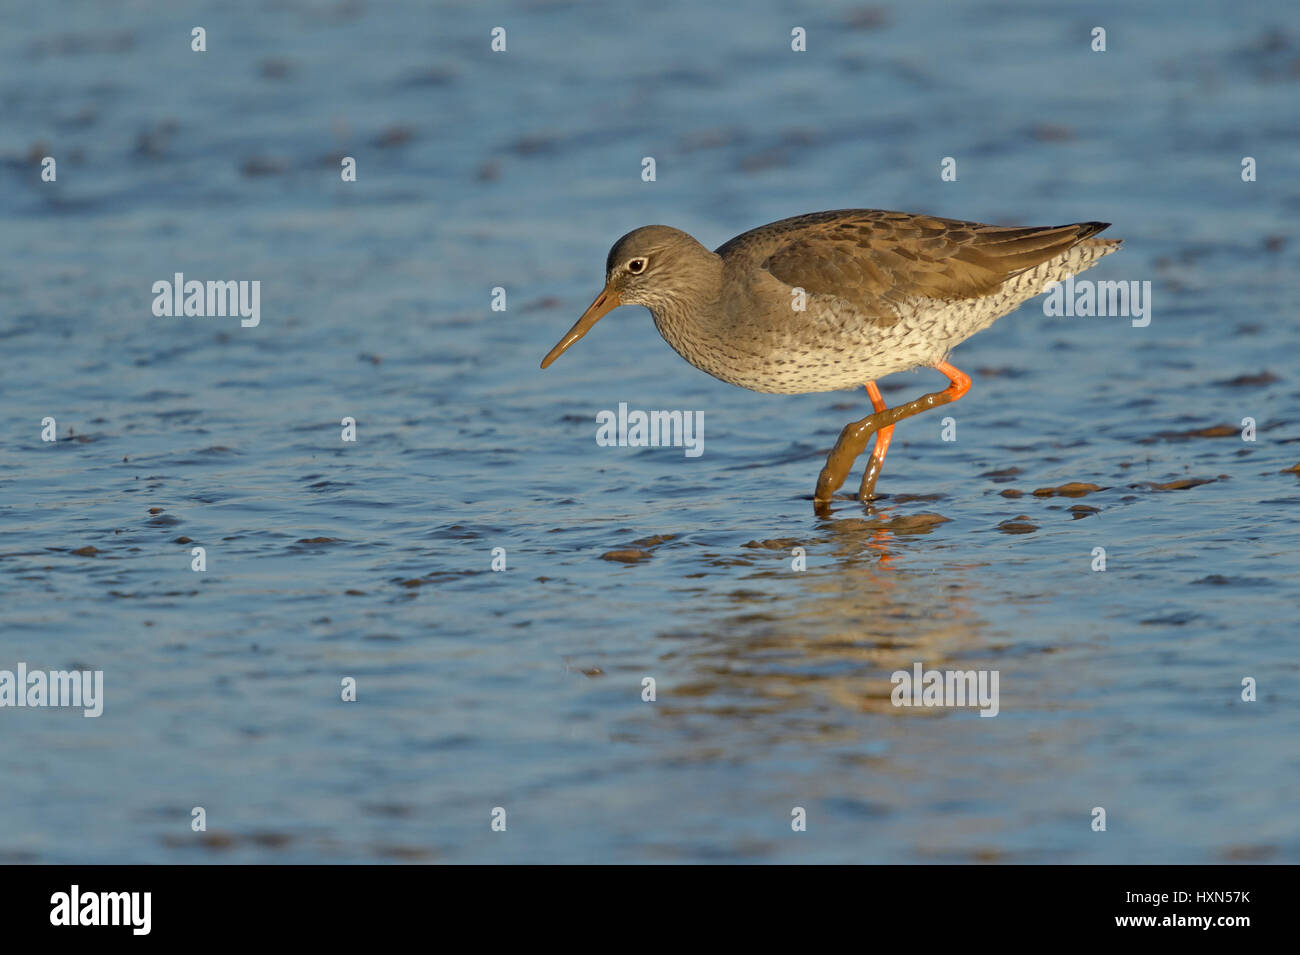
606, 301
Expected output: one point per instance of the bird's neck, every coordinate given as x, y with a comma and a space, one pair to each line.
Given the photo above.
693, 313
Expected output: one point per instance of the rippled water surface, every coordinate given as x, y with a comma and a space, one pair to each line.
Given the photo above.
522, 688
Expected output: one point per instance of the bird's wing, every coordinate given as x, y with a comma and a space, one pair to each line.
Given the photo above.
876, 260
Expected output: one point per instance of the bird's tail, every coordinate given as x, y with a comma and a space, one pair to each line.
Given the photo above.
1086, 230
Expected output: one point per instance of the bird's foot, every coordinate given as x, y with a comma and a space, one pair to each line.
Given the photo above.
852, 442
867, 490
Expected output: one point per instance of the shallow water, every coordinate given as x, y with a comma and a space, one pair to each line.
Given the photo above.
522, 688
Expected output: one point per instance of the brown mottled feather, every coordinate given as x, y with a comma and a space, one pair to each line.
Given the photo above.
877, 260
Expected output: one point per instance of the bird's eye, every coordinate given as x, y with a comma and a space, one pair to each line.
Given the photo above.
637, 266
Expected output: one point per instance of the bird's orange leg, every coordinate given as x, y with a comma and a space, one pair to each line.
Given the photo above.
868, 489
853, 439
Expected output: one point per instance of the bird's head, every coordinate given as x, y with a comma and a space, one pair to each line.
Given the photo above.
655, 266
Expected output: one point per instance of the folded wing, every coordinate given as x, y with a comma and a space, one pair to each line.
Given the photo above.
876, 260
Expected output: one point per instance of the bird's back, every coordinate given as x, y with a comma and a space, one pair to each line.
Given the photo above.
834, 299
874, 258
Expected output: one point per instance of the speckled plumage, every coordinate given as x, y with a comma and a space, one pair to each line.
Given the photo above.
885, 292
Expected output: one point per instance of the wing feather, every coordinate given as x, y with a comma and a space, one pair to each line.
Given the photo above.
874, 260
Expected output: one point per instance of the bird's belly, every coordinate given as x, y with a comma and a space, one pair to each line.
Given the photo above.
821, 356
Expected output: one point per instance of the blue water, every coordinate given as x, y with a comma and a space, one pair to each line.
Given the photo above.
521, 688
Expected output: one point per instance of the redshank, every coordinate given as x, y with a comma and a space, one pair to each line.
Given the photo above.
835, 300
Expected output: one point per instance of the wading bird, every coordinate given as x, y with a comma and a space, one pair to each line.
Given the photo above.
835, 300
